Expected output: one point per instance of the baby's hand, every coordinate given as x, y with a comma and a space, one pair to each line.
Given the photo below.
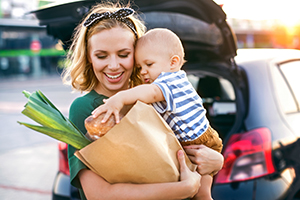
111, 106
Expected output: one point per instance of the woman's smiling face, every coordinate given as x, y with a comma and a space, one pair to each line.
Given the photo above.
111, 54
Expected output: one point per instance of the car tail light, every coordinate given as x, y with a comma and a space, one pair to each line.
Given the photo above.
247, 156
63, 158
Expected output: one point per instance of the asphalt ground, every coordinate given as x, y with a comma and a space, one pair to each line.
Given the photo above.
28, 159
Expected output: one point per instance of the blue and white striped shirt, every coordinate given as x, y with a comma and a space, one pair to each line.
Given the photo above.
182, 108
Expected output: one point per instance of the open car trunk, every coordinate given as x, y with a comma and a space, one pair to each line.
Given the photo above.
201, 24
209, 43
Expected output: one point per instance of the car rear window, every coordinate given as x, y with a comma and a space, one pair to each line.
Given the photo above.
218, 99
287, 83
291, 71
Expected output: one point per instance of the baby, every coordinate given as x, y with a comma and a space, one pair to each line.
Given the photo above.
160, 55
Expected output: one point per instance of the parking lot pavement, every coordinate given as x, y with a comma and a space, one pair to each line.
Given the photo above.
28, 159
28, 172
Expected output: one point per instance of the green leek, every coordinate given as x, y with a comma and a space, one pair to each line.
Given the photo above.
53, 122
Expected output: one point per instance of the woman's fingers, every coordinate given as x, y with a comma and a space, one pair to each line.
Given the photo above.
194, 158
197, 151
181, 160
206, 159
196, 146
191, 179
193, 152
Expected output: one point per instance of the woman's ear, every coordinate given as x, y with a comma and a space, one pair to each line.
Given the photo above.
175, 62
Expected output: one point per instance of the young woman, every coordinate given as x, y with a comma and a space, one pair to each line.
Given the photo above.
102, 64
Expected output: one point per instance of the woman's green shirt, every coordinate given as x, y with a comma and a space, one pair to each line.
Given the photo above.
80, 109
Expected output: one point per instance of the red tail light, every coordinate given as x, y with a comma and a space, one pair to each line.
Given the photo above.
247, 156
63, 158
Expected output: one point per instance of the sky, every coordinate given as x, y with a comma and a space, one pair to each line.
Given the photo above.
284, 10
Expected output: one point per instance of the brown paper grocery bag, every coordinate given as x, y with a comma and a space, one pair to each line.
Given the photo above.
140, 149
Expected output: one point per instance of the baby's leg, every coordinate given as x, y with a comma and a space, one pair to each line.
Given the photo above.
204, 192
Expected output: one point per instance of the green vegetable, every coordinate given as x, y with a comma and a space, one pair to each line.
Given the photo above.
53, 122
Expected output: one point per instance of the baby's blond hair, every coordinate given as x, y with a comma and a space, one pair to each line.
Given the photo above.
165, 40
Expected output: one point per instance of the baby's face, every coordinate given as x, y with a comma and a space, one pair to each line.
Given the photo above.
152, 59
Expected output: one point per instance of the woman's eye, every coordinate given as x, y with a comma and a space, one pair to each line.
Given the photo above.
100, 56
123, 55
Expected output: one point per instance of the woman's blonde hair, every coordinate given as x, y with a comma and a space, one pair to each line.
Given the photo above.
80, 73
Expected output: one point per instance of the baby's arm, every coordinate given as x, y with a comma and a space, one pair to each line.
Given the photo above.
148, 93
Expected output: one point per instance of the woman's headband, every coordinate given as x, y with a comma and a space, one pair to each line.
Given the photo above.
121, 15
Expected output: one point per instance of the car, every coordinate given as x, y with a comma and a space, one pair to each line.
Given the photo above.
252, 97
257, 115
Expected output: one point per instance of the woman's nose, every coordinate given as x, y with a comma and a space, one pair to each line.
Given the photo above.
113, 64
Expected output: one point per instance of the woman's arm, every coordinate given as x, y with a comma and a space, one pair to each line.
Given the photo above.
96, 187
207, 159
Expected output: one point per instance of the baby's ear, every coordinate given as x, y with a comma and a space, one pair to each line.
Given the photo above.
175, 62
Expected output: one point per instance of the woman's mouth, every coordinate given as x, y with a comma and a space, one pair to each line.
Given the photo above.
114, 78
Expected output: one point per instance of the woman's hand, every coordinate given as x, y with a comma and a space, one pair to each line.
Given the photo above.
95, 187
190, 179
207, 159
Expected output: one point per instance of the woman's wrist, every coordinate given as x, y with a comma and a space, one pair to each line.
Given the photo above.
189, 190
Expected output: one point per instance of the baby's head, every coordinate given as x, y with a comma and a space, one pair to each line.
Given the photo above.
159, 50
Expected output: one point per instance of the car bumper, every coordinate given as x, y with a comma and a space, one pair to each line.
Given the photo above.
61, 187
266, 188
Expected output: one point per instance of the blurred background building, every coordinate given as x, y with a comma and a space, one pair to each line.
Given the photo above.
264, 23
27, 51
25, 48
